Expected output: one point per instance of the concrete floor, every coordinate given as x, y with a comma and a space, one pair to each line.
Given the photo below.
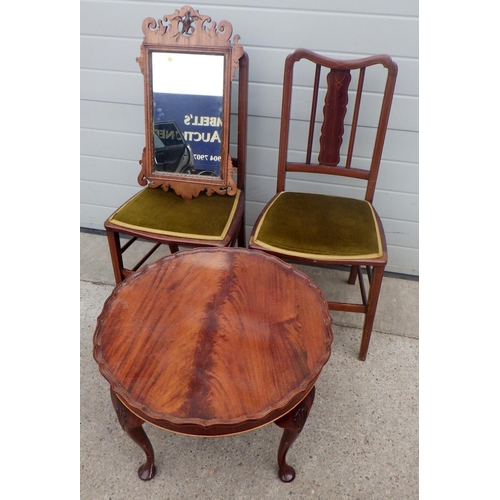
360, 441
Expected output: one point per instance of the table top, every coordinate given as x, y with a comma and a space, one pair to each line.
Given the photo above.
213, 341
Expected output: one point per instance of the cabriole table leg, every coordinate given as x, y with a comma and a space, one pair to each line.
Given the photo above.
293, 423
132, 425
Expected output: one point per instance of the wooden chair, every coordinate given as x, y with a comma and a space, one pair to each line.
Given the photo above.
321, 228
185, 209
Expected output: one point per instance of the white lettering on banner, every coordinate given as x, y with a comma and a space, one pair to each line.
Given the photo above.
202, 137
207, 157
168, 134
203, 121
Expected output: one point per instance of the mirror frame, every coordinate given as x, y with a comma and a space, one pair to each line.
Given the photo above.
188, 31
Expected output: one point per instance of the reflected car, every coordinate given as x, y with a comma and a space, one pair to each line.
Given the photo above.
171, 151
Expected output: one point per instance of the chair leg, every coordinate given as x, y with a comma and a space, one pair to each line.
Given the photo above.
353, 275
375, 286
173, 248
116, 255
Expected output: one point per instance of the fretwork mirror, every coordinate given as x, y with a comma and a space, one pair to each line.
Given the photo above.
188, 63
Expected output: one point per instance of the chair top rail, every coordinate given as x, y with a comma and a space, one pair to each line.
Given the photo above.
340, 64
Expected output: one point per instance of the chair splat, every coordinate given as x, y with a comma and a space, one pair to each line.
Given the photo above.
334, 113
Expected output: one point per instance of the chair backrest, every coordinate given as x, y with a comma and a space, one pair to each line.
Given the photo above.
326, 151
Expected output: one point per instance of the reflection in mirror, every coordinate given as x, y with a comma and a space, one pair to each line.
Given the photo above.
187, 105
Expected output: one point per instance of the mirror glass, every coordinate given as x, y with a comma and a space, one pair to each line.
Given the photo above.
187, 100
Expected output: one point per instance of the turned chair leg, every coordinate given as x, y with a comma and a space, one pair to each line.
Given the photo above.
375, 286
132, 425
292, 423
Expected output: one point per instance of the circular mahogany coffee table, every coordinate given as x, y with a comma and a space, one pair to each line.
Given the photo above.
213, 342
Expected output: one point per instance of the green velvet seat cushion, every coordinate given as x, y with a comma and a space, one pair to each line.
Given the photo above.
164, 212
320, 226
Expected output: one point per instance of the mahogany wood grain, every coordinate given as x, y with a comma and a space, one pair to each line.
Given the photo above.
213, 342
334, 112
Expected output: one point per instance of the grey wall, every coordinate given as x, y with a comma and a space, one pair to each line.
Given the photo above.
112, 136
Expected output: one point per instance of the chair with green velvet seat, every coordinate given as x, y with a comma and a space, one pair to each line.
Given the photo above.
195, 194
332, 224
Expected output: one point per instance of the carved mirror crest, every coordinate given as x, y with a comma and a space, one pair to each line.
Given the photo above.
188, 63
